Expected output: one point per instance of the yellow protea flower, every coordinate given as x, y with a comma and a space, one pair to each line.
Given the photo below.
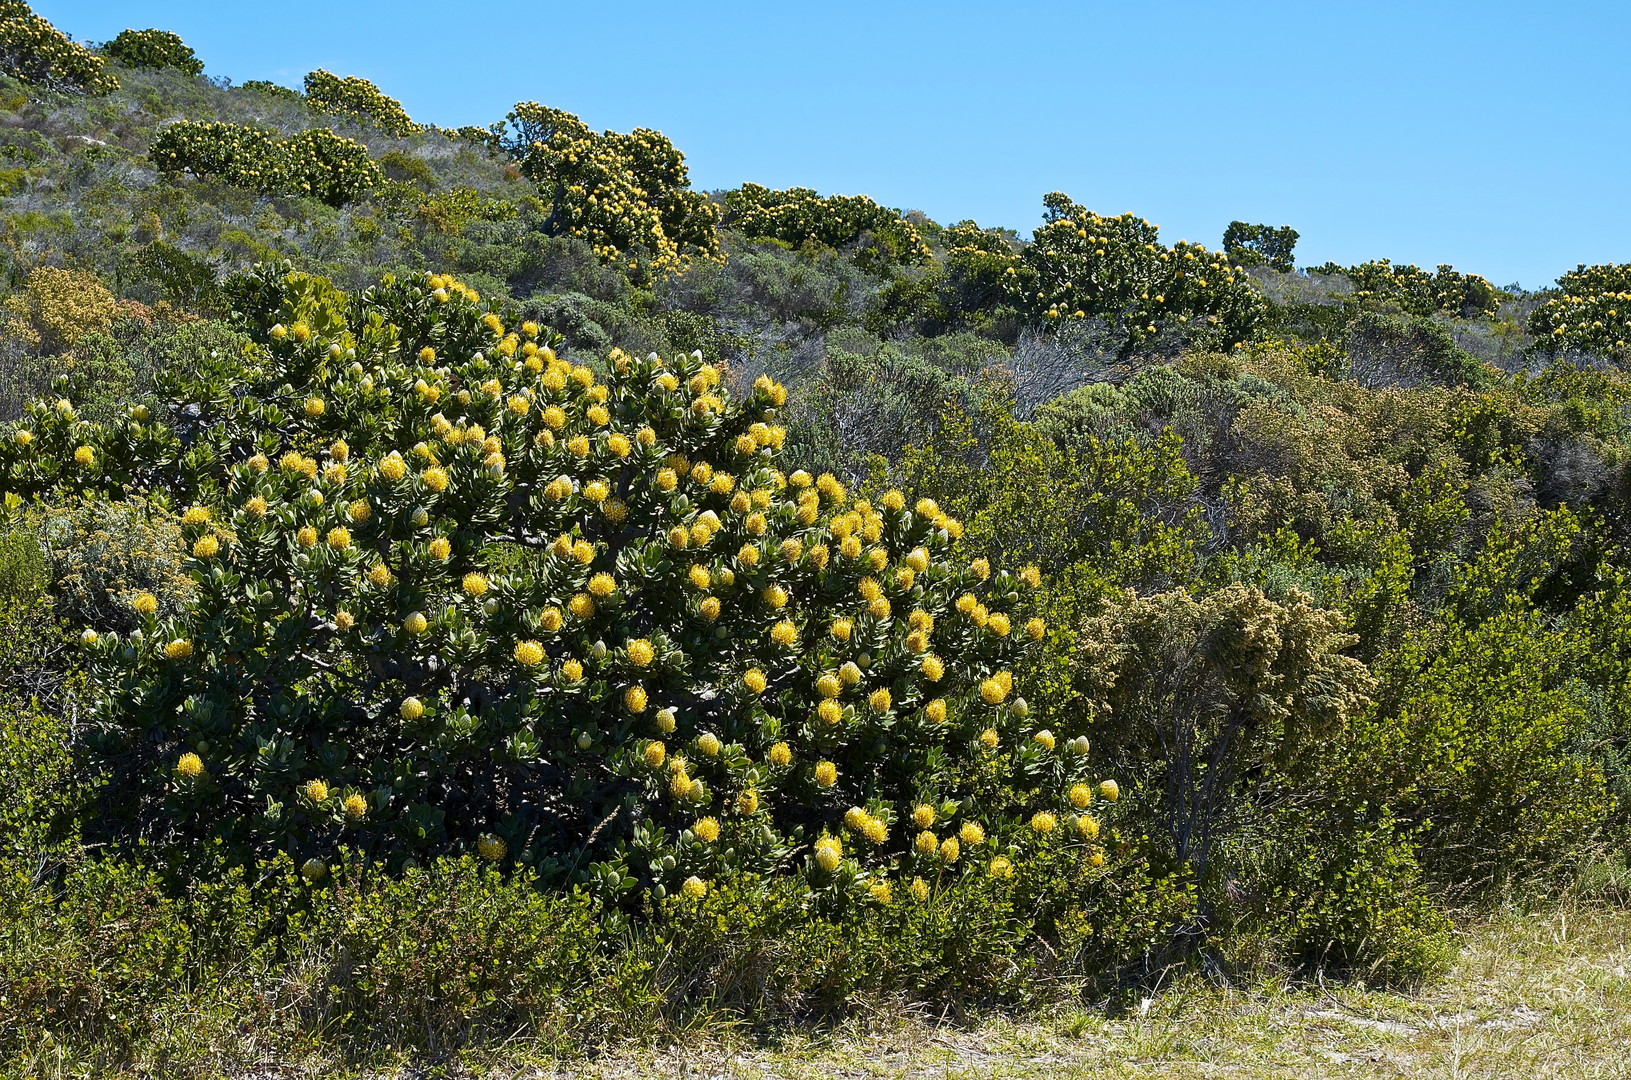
411, 708
755, 680
747, 802
1087, 826
602, 585
427, 355
988, 738
826, 774
654, 754
927, 843
935, 711
981, 568
781, 755
933, 668
694, 888
196, 516
256, 506
879, 700
360, 510
894, 500
950, 849
634, 699
1002, 868
874, 829
190, 766
490, 847
338, 538
640, 652
667, 479
475, 584
851, 547
1080, 796
1042, 822
920, 890
998, 624
179, 649
356, 807
829, 853
992, 691
315, 407
145, 603
972, 834
709, 608
792, 550
880, 890
529, 653
315, 790
918, 560
842, 628
22, 437
440, 549
706, 829
85, 456
784, 633
416, 623
583, 553
1110, 790
775, 596
206, 547
748, 555
1044, 739
680, 785
1031, 576
1036, 629
393, 468
572, 670
435, 478
582, 606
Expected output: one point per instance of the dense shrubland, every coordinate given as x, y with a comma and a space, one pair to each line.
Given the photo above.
462, 580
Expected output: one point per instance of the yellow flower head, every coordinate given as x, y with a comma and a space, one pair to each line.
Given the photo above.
306, 536
988, 738
748, 555
932, 667
85, 456
1042, 822
1031, 576
754, 680
435, 478
393, 468
654, 754
415, 623
1087, 826
640, 652
694, 888
784, 633
830, 712
842, 628
190, 766
923, 815
826, 774
356, 807
950, 849
706, 830
602, 585
829, 852
1044, 739
411, 708
920, 890
206, 547
781, 755
709, 608
1110, 790
314, 407
440, 549
634, 699
709, 744
971, 834
1002, 868
582, 606
879, 700
992, 691
492, 848
747, 802
1036, 629
571, 670
529, 653
315, 790
936, 711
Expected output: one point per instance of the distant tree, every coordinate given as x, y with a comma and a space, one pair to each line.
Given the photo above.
1260, 245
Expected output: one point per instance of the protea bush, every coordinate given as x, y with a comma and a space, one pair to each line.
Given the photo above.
456, 592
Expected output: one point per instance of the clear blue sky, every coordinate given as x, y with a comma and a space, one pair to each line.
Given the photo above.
1493, 136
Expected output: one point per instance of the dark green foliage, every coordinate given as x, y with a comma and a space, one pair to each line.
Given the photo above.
798, 216
316, 162
35, 52
1399, 350
357, 99
153, 49
1260, 245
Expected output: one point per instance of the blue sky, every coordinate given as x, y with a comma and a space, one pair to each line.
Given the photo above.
1492, 136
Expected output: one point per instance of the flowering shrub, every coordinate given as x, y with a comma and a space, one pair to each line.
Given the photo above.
798, 215
1593, 314
357, 99
57, 307
317, 162
1416, 291
457, 593
35, 52
153, 49
628, 195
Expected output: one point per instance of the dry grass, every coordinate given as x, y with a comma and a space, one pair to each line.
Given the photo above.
1534, 996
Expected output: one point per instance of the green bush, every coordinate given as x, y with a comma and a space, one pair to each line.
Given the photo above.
1591, 316
1396, 350
700, 667
35, 52
153, 49
316, 162
1416, 292
628, 196
799, 216
357, 99
1260, 245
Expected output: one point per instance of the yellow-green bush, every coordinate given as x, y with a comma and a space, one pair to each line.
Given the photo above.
316, 162
358, 99
57, 307
628, 195
456, 593
799, 215
35, 52
1593, 314
153, 49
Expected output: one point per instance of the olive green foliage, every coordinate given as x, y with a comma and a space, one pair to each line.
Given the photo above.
629, 196
316, 162
1590, 316
799, 216
357, 99
1260, 245
272, 89
153, 49
1206, 689
35, 52
1392, 350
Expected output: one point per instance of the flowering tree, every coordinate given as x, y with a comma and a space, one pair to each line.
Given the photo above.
454, 590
